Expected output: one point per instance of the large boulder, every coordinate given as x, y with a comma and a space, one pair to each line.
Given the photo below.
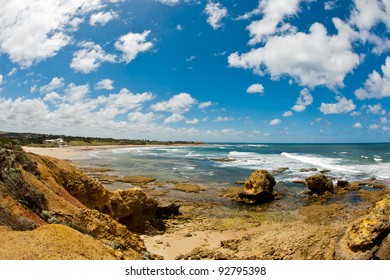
368, 237
132, 208
319, 184
259, 188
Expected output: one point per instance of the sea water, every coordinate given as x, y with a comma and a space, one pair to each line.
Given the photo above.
226, 163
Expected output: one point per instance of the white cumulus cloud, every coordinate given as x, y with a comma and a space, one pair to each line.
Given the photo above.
52, 97
376, 86
374, 126
169, 2
174, 118
312, 59
131, 44
223, 119
376, 109
128, 100
215, 13
139, 117
273, 14
368, 13
193, 121
330, 5
305, 99
90, 57
31, 31
343, 105
357, 125
106, 84
76, 93
102, 18
76, 112
275, 122
28, 112
204, 105
255, 88
178, 104
12, 72
54, 84
287, 114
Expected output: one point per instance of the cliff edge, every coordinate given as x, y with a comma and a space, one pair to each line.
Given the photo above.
48, 209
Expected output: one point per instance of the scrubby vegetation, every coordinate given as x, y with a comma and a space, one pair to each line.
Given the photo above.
12, 158
35, 139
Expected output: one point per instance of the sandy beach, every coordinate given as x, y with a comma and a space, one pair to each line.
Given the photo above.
74, 152
70, 152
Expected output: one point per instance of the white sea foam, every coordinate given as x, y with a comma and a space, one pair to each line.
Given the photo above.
191, 154
328, 163
252, 145
235, 154
379, 170
377, 158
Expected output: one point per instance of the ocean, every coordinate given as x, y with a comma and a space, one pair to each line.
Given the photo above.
226, 163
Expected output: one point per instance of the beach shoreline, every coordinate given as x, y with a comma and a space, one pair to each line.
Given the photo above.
74, 152
209, 230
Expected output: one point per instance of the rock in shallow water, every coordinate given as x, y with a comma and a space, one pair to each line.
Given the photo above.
311, 169
319, 184
280, 170
258, 188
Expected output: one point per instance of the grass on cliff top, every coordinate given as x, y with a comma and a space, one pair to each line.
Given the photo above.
37, 140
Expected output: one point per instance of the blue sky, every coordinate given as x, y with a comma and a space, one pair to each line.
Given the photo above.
244, 71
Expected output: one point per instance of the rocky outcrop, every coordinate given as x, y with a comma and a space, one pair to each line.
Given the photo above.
319, 184
345, 185
311, 169
368, 237
383, 252
133, 208
78, 184
259, 188
223, 159
280, 170
376, 184
37, 190
188, 188
111, 233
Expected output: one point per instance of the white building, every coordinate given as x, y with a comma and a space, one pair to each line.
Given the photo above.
58, 141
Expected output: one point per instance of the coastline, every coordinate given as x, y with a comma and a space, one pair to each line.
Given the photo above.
74, 152
210, 230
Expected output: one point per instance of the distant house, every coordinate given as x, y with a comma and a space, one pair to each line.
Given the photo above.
58, 141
